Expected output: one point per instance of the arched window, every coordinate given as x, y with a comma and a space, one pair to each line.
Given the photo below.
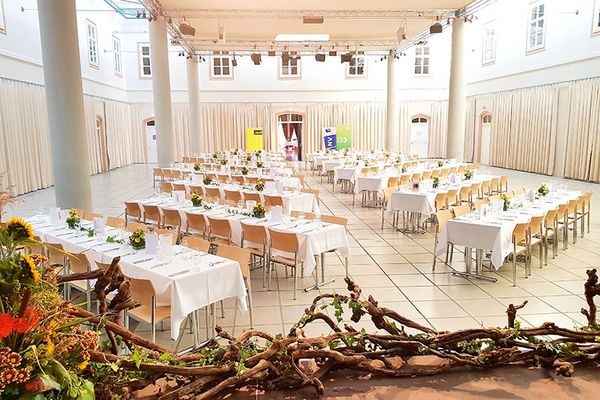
419, 120
486, 119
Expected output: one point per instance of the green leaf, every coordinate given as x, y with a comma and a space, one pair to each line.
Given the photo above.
87, 391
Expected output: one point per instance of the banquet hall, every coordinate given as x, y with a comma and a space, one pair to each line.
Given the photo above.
238, 166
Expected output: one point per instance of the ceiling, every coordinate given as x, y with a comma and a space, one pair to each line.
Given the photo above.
251, 25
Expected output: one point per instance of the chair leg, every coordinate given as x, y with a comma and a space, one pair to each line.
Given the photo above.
514, 256
296, 280
249, 292
222, 309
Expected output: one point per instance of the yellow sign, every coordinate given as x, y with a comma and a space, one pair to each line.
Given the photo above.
254, 139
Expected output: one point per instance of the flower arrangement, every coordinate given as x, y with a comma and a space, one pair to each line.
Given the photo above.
403, 169
388, 154
137, 239
258, 152
543, 190
207, 180
224, 161
248, 157
259, 164
327, 151
345, 152
44, 353
244, 170
468, 175
506, 200
260, 185
367, 163
235, 152
258, 211
436, 182
196, 167
196, 199
440, 163
73, 219
215, 155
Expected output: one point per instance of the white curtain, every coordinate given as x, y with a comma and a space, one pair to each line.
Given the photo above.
523, 135
24, 139
181, 130
471, 149
405, 122
583, 131
94, 149
125, 143
438, 130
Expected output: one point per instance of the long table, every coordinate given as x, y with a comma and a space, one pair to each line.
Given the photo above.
187, 280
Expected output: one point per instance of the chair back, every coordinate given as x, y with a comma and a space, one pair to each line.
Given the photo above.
461, 210
196, 222
313, 191
387, 193
132, 226
179, 186
219, 228
283, 241
142, 291
520, 233
535, 225
551, 218
173, 234
171, 217
442, 217
393, 181
426, 175
404, 180
416, 177
273, 200
197, 243
301, 178
152, 212
115, 222
249, 196
166, 187
212, 192
239, 179
254, 234
89, 216
133, 209
78, 263
441, 200
332, 219
305, 214
242, 256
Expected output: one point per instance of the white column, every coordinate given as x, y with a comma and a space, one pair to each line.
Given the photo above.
64, 98
392, 129
457, 93
194, 104
161, 92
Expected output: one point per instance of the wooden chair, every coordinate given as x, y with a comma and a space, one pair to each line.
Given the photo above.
166, 187
495, 186
550, 227
174, 237
179, 187
387, 195
212, 192
252, 196
393, 182
485, 190
56, 254
580, 213
156, 173
242, 256
238, 179
172, 218
441, 201
233, 195
441, 219
464, 194
89, 216
116, 222
536, 231
77, 264
144, 295
404, 180
256, 238
167, 174
478, 203
426, 175
302, 214
133, 210
197, 243
332, 219
503, 184
285, 242
152, 213
461, 210
520, 241
452, 197
219, 230
519, 191
587, 209
301, 178
196, 223
312, 191
272, 201
133, 226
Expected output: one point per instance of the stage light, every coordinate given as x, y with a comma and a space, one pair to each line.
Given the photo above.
285, 57
436, 28
187, 30
271, 53
332, 53
346, 57
320, 57
256, 58
401, 33
234, 62
316, 19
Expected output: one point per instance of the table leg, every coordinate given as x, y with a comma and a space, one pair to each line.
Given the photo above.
478, 266
317, 285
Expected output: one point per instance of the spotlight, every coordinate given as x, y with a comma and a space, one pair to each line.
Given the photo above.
320, 57
285, 57
332, 53
187, 29
271, 53
234, 62
346, 57
401, 33
435, 28
256, 58
316, 19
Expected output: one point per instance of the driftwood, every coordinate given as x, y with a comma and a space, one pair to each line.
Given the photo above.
591, 289
257, 360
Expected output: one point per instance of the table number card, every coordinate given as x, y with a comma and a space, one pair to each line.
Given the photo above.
165, 243
55, 215
151, 243
276, 214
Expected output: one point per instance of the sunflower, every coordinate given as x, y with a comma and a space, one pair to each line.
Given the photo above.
19, 228
30, 265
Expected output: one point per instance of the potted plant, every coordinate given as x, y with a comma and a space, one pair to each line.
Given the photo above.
440, 163
224, 161
137, 239
248, 157
543, 190
436, 182
73, 219
196, 167
259, 164
468, 175
196, 199
506, 200
260, 185
207, 180
258, 211
244, 170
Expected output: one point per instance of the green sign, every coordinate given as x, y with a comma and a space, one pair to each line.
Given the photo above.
344, 137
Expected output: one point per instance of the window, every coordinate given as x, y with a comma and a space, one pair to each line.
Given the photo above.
488, 48
357, 67
419, 120
2, 20
144, 60
92, 35
117, 56
596, 18
487, 119
536, 28
221, 67
291, 68
422, 60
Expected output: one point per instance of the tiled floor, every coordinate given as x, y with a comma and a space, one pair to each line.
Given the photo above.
394, 267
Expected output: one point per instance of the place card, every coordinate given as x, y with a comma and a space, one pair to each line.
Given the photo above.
165, 244
152, 242
276, 214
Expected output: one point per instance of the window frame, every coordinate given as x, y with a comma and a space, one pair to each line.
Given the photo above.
538, 47
211, 70
92, 40
349, 67
118, 57
596, 18
2, 19
422, 57
297, 60
491, 25
141, 58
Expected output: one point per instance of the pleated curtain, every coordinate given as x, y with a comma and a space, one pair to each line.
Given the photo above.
523, 135
471, 148
181, 130
125, 143
438, 129
583, 131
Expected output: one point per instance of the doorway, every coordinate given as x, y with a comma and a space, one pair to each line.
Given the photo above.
151, 153
419, 136
486, 129
289, 132
102, 141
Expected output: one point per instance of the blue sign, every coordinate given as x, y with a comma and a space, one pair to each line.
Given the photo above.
329, 138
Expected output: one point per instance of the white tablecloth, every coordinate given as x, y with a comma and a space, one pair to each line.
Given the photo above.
200, 285
421, 202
